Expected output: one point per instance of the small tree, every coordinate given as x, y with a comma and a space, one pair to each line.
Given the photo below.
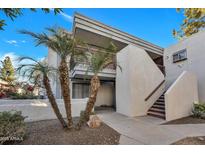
7, 70
97, 62
41, 71
67, 47
194, 21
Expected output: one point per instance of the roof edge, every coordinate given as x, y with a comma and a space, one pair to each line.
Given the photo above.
76, 14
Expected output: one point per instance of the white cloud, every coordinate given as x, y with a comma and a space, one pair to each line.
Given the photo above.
14, 59
67, 17
11, 42
41, 59
15, 42
13, 56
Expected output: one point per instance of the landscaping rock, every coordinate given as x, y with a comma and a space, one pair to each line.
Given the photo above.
201, 138
94, 121
50, 132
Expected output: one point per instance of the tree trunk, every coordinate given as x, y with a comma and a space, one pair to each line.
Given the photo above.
52, 100
65, 89
94, 87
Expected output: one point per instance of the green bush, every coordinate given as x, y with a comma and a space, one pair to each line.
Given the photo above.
199, 110
12, 127
23, 96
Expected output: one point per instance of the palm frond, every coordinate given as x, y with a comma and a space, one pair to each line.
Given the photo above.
101, 59
34, 69
57, 39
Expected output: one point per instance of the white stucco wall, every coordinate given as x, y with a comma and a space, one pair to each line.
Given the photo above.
195, 62
181, 95
53, 60
139, 77
36, 110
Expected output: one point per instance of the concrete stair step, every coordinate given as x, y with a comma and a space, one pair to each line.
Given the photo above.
157, 110
160, 103
160, 100
158, 106
159, 115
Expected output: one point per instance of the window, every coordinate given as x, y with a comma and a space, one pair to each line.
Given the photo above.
80, 90
179, 56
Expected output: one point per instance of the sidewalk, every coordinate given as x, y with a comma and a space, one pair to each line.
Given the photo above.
147, 129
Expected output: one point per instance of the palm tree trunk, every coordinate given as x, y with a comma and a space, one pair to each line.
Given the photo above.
52, 100
65, 89
94, 87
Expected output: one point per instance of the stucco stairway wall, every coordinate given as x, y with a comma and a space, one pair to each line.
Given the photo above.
137, 79
195, 62
41, 109
181, 95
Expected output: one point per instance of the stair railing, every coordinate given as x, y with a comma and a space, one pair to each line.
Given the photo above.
154, 90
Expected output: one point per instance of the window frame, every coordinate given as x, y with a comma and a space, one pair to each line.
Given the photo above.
84, 90
184, 51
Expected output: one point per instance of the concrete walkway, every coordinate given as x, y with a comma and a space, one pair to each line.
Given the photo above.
147, 129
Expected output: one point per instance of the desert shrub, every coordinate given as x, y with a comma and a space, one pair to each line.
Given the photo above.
12, 127
10, 92
199, 110
2, 95
23, 96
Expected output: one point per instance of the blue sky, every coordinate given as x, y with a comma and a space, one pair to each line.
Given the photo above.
153, 25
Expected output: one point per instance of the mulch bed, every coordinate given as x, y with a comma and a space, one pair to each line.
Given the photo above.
186, 120
191, 141
50, 132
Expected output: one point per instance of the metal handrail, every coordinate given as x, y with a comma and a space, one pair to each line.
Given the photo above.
154, 90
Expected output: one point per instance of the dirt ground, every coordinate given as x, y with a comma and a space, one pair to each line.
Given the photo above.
50, 132
186, 120
191, 141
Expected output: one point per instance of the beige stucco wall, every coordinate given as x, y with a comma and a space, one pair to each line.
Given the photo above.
105, 95
181, 95
139, 77
36, 110
195, 61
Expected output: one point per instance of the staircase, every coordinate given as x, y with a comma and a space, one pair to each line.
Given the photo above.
158, 108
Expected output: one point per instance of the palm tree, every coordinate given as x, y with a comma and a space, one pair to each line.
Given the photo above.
67, 48
37, 71
97, 62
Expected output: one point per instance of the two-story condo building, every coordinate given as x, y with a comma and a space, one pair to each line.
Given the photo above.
155, 81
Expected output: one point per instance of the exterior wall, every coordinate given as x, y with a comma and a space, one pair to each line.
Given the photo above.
138, 78
53, 60
105, 95
133, 85
180, 97
195, 61
81, 70
36, 110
